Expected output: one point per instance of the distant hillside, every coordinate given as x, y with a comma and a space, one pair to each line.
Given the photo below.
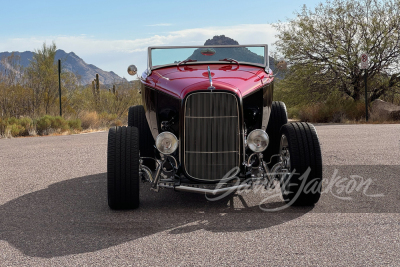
72, 63
221, 40
240, 54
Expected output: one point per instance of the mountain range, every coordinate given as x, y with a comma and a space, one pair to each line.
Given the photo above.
73, 63
87, 72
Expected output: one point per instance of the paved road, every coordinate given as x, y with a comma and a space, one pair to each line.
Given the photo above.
53, 210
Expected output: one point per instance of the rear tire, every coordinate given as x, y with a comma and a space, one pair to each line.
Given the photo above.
123, 168
137, 118
277, 119
304, 152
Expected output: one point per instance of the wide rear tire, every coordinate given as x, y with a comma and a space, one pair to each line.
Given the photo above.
123, 168
137, 118
277, 119
301, 141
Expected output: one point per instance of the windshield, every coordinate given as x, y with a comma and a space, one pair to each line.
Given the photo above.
173, 55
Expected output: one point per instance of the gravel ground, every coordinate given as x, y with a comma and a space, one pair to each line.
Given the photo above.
53, 210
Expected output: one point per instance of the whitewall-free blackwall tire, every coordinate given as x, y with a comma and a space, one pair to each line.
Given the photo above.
123, 168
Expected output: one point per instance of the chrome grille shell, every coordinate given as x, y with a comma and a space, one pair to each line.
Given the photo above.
211, 145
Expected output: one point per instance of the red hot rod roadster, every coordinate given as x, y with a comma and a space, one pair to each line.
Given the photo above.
208, 124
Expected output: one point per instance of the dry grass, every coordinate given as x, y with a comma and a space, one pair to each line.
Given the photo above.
90, 120
336, 112
93, 120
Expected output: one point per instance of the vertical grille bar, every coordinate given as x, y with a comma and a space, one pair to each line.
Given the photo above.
211, 145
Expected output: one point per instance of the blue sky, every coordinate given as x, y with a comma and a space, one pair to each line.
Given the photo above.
114, 34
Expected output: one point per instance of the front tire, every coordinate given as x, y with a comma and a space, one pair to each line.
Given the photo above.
301, 153
123, 168
137, 118
277, 119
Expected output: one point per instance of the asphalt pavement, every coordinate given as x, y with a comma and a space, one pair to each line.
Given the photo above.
53, 210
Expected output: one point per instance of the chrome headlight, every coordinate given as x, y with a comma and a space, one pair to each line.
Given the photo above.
258, 140
166, 143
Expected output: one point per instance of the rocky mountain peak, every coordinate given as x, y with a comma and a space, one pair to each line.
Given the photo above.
221, 40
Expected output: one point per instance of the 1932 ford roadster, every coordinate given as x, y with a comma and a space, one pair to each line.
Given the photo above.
208, 124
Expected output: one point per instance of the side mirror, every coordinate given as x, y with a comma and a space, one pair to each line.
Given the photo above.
132, 70
281, 65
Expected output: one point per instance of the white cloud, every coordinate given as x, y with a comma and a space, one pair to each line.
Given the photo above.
116, 55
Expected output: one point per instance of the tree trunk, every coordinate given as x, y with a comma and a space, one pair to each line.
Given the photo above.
356, 94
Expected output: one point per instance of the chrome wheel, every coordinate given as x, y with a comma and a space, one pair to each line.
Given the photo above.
284, 159
284, 153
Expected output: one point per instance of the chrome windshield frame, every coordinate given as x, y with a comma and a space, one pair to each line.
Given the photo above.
149, 59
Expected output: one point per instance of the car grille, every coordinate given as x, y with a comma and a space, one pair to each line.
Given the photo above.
211, 146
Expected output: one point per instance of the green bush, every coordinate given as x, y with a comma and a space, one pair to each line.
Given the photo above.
25, 126
27, 123
43, 124
12, 121
17, 127
59, 124
47, 122
16, 130
293, 112
75, 124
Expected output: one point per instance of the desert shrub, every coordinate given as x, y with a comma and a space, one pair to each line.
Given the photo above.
328, 111
107, 118
49, 123
293, 112
27, 123
59, 124
43, 124
94, 120
334, 109
110, 119
16, 127
90, 120
321, 112
354, 110
75, 124
16, 130
311, 113
12, 120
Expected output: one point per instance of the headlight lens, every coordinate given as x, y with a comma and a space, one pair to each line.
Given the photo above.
166, 143
258, 140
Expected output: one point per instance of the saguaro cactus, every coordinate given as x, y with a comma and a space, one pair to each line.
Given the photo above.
93, 89
97, 85
96, 90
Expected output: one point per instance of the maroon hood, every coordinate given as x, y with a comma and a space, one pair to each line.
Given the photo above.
179, 81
